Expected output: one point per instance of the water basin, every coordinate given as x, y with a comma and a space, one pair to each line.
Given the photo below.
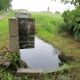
43, 56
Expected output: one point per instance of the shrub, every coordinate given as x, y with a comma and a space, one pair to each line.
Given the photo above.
62, 27
57, 12
15, 59
72, 20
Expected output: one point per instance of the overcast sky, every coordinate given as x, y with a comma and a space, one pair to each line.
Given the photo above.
40, 5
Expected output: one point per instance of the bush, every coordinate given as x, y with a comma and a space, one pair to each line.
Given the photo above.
62, 27
57, 12
15, 60
72, 20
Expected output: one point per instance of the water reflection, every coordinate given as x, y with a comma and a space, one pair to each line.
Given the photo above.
43, 56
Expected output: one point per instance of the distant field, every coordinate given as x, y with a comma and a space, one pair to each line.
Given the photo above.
48, 14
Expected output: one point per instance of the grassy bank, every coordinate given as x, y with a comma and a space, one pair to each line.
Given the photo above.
4, 31
48, 29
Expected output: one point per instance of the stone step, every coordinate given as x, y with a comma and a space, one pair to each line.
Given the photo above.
29, 72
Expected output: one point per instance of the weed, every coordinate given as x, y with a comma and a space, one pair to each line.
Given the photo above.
15, 59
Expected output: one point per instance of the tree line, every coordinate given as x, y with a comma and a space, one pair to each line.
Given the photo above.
5, 5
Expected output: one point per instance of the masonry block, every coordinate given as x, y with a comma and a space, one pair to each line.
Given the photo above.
14, 44
29, 72
13, 27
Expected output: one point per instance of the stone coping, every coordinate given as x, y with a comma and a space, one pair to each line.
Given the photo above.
33, 71
24, 70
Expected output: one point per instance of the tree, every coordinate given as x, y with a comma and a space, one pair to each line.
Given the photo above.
57, 12
75, 2
5, 4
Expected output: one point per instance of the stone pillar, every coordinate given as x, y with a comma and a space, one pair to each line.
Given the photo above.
13, 33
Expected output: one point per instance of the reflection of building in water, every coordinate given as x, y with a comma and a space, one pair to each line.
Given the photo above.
48, 9
26, 32
26, 28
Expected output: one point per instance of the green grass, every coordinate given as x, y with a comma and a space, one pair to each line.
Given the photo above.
4, 30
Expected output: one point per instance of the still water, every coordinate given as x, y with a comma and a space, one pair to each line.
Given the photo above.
43, 56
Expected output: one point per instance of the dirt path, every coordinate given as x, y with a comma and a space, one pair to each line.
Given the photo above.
4, 15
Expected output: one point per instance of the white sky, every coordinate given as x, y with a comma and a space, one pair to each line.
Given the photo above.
40, 5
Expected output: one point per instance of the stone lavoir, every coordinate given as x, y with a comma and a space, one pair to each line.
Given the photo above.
21, 30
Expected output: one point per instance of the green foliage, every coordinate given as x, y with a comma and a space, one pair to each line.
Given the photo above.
72, 20
4, 75
7, 76
62, 28
15, 59
5, 4
57, 12
25, 77
74, 2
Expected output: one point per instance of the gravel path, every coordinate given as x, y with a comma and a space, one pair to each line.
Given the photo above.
4, 15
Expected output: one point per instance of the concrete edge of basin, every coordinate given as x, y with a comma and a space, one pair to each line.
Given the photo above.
32, 72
